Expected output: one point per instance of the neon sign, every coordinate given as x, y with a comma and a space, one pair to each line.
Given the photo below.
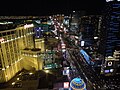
87, 57
28, 26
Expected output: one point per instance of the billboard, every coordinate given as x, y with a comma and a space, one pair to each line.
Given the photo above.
66, 71
66, 84
86, 57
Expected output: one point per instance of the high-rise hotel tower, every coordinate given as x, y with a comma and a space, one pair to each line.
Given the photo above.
11, 43
111, 35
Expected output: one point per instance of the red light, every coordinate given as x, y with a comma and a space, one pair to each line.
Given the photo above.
66, 84
1, 39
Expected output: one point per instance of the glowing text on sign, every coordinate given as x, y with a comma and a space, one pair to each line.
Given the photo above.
28, 26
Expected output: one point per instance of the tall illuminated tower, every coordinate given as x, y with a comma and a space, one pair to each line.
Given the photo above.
112, 27
111, 34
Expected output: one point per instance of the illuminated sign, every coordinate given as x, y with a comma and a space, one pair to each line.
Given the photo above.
106, 71
28, 26
111, 0
66, 68
66, 71
66, 84
110, 63
111, 70
87, 57
63, 50
63, 45
82, 43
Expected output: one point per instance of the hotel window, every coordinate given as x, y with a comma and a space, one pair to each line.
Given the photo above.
5, 38
16, 56
0, 65
12, 56
8, 33
19, 33
6, 46
4, 34
17, 45
9, 37
11, 49
13, 36
12, 32
14, 43
28, 30
23, 32
8, 58
2, 58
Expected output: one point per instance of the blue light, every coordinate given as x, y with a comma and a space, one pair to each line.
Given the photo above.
77, 84
107, 71
87, 57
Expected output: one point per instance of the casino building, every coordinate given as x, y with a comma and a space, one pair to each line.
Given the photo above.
110, 36
77, 84
11, 43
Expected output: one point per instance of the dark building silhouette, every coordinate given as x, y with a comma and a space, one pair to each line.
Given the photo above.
110, 36
112, 27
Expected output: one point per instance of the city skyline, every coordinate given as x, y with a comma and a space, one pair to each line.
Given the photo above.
60, 45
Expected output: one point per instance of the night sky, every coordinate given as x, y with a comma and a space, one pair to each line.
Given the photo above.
47, 7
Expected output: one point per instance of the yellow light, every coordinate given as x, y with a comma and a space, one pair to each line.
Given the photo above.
30, 73
3, 68
13, 83
7, 66
18, 78
47, 71
42, 41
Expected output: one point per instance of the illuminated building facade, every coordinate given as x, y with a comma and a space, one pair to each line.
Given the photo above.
110, 38
113, 27
77, 84
39, 43
11, 42
32, 59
